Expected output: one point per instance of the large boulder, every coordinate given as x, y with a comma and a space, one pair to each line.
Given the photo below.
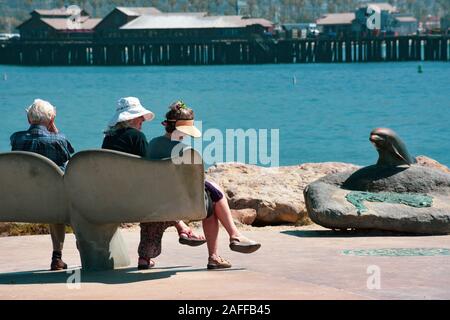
276, 194
244, 216
404, 192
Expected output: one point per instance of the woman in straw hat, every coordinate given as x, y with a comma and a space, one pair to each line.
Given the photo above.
124, 134
178, 124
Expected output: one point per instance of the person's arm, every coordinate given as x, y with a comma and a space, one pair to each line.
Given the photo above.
52, 126
67, 147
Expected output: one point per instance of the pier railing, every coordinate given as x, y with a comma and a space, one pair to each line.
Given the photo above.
210, 52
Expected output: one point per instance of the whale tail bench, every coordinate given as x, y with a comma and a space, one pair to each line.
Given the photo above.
100, 190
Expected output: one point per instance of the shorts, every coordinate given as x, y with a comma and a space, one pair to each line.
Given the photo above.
212, 195
209, 205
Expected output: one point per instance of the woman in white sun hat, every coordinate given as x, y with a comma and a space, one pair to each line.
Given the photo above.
124, 129
124, 134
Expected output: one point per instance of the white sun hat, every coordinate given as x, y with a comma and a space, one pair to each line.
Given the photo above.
128, 109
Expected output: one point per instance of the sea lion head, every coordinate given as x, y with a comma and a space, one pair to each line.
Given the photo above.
391, 149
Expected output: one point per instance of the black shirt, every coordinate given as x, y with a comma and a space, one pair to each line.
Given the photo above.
127, 140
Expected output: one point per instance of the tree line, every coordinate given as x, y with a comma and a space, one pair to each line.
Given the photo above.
13, 12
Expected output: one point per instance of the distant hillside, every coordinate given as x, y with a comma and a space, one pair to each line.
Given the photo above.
13, 12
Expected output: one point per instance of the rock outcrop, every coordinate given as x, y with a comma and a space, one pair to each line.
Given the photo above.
244, 216
430, 163
276, 194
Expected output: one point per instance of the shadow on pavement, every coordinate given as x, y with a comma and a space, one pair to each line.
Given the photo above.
348, 234
120, 276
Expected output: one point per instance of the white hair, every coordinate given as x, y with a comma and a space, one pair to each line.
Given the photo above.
40, 112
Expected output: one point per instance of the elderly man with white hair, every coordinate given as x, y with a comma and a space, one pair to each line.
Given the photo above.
43, 138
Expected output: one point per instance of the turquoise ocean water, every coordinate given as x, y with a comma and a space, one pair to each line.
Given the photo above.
326, 116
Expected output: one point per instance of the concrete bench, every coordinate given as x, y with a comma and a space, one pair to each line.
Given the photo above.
99, 190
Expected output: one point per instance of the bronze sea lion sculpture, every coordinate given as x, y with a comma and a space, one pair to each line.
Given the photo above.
396, 194
391, 149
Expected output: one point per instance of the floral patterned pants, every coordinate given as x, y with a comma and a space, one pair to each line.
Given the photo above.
151, 237
152, 233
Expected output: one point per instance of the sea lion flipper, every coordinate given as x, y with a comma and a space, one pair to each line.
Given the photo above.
395, 150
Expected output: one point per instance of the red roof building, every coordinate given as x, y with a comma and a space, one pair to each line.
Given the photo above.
58, 24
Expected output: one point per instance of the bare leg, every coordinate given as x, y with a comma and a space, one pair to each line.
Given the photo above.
223, 213
211, 230
58, 234
238, 242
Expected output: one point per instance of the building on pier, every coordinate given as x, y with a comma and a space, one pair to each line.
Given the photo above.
355, 24
337, 25
405, 25
184, 28
150, 24
391, 21
300, 30
385, 19
143, 23
432, 23
110, 27
58, 25
119, 17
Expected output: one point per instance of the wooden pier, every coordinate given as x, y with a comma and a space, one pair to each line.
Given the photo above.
221, 52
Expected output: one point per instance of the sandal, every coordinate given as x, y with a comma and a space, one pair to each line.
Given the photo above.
145, 263
243, 245
217, 263
190, 239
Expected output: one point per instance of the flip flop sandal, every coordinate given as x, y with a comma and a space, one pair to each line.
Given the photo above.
186, 239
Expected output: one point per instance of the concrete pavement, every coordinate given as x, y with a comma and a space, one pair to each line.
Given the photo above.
293, 263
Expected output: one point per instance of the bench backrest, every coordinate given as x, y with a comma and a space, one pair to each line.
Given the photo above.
101, 185
31, 189
110, 186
